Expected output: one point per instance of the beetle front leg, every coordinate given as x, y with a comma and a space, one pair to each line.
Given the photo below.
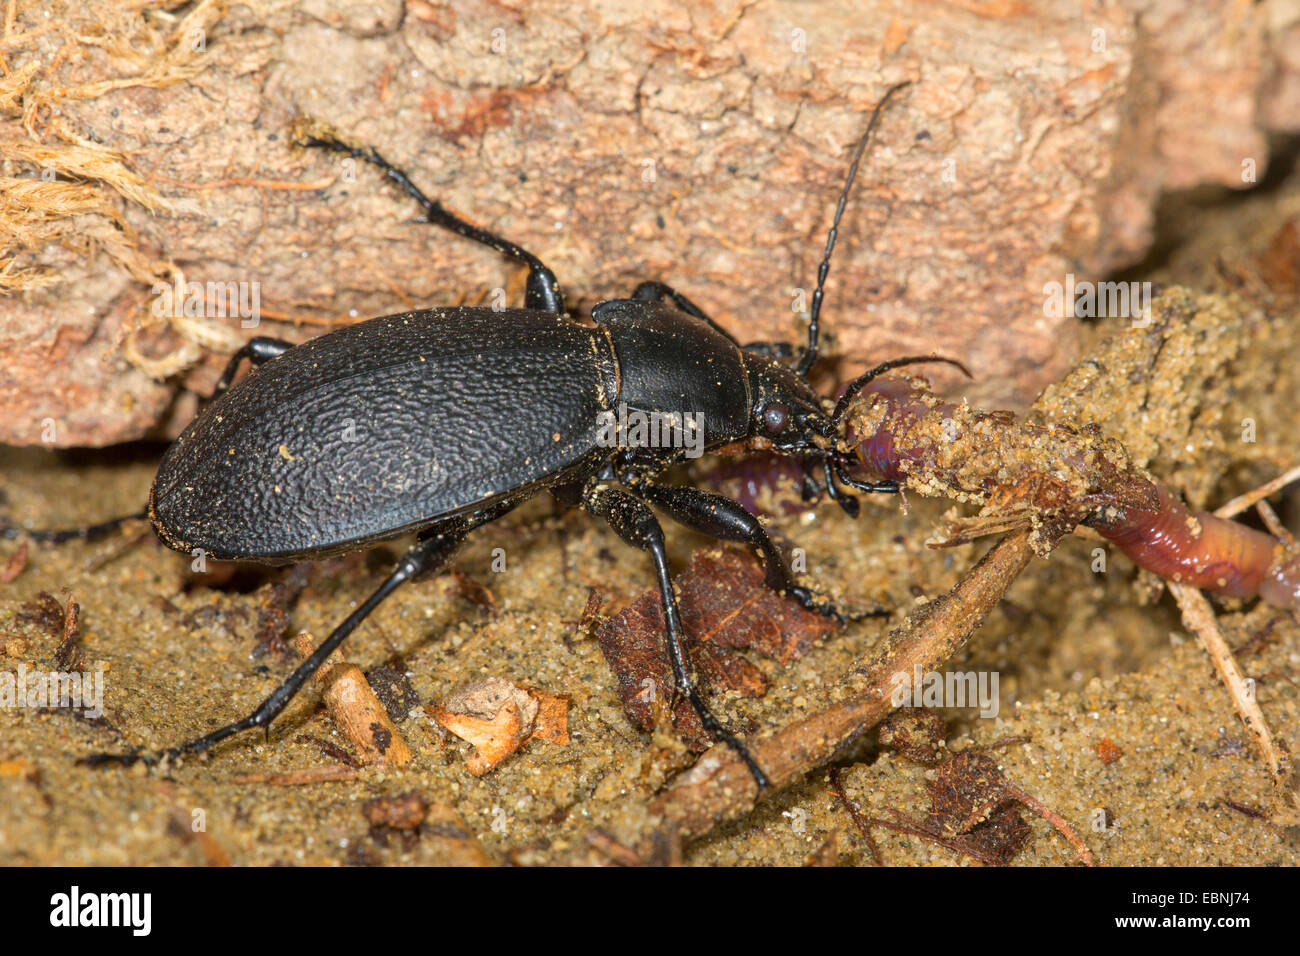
719, 517
634, 522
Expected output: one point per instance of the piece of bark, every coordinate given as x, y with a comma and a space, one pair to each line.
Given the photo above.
356, 709
703, 147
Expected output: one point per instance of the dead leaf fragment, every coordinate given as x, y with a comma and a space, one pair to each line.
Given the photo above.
406, 811
14, 566
1107, 751
724, 606
497, 717
68, 657
917, 734
552, 723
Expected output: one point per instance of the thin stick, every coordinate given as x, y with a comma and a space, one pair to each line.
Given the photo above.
302, 777
1055, 819
1242, 502
855, 813
1199, 618
1274, 524
355, 708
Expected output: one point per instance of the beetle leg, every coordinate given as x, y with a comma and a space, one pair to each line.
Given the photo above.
542, 291
652, 291
257, 350
88, 533
434, 548
841, 498
634, 522
719, 517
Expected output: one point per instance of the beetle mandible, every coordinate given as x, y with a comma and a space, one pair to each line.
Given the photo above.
474, 410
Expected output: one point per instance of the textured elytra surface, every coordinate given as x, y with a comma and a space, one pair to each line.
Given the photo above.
381, 428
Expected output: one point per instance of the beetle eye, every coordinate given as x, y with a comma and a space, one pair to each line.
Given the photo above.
775, 417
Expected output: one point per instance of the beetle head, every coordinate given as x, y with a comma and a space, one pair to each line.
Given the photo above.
786, 414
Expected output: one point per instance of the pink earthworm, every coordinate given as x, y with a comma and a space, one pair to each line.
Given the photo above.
1202, 550
763, 483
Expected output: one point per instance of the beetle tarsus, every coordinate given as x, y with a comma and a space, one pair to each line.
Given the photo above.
131, 757
721, 734
811, 602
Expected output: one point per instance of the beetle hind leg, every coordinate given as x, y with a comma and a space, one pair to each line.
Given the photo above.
432, 551
86, 533
634, 522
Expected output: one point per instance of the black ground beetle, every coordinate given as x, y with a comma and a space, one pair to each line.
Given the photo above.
460, 414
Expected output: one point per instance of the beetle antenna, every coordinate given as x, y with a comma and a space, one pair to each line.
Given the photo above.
810, 354
858, 383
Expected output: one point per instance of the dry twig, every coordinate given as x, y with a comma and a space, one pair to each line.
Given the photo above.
356, 709
1199, 618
